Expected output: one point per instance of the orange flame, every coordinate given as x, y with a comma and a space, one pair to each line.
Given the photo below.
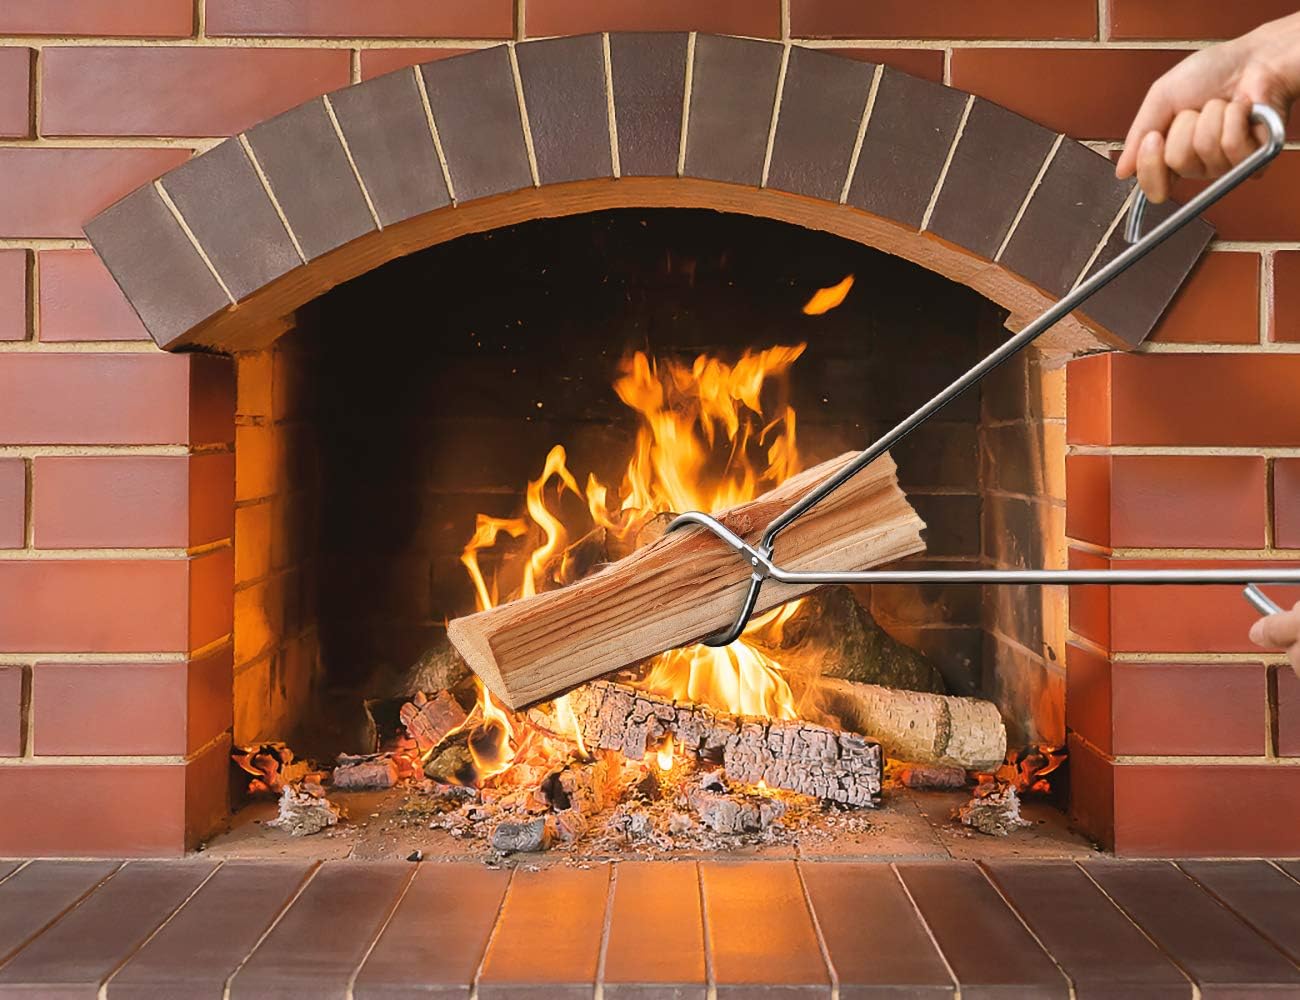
491, 741
664, 755
825, 299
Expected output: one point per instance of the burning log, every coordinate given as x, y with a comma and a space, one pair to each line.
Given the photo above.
931, 777
832, 635
429, 720
920, 727
684, 586
365, 772
791, 754
725, 811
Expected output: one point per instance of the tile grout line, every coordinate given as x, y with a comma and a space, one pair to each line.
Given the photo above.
947, 162
1271, 731
347, 151
686, 104
817, 930
1259, 931
492, 934
947, 66
1029, 196
785, 20
37, 70
194, 240
354, 65
433, 131
929, 931
361, 964
1105, 237
21, 865
266, 186
1069, 982
523, 113
521, 24
288, 905
776, 115
1283, 871
867, 108
6, 959
102, 993
602, 952
710, 979
1196, 989
610, 112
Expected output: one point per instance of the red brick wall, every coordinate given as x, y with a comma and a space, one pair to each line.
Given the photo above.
115, 460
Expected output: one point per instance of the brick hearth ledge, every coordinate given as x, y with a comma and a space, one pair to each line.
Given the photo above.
220, 249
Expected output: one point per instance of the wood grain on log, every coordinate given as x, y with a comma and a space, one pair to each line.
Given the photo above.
791, 754
921, 727
682, 587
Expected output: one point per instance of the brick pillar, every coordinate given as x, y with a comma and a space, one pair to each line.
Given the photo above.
1182, 733
116, 516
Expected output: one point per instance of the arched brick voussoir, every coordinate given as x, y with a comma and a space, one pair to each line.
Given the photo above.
348, 181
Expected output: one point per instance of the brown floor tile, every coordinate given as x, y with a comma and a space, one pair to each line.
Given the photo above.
435, 941
1219, 951
80, 951
985, 944
547, 942
203, 944
317, 947
878, 948
655, 947
1257, 892
760, 931
7, 868
38, 894
1292, 868
1097, 946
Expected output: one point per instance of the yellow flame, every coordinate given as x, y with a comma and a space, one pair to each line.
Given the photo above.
825, 299
568, 721
664, 755
491, 742
704, 442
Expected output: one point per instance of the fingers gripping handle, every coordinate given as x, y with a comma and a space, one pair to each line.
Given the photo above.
1260, 114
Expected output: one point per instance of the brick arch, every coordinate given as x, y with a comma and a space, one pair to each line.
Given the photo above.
216, 252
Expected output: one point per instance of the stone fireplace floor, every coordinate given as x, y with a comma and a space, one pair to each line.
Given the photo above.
910, 825
199, 928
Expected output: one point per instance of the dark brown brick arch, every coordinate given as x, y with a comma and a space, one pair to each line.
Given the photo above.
217, 251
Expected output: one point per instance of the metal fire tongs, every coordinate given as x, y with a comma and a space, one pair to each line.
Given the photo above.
760, 556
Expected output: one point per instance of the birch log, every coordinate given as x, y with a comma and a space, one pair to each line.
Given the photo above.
683, 586
920, 727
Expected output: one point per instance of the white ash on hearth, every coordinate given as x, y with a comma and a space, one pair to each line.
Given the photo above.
304, 810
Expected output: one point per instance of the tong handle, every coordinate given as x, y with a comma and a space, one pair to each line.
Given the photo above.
1262, 603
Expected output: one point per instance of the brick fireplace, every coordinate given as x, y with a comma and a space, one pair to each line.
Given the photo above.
162, 586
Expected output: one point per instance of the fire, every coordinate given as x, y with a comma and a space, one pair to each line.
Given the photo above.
664, 755
710, 435
825, 299
491, 741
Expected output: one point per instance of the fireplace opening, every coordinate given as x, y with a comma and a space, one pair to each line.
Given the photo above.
510, 411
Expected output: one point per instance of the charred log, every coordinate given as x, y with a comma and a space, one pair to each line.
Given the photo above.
791, 754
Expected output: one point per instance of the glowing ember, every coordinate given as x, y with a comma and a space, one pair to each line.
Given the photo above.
664, 755
825, 299
705, 441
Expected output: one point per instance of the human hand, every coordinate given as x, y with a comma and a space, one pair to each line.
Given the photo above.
1194, 121
1280, 631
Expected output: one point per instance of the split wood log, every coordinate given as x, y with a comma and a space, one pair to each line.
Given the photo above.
918, 726
683, 586
791, 754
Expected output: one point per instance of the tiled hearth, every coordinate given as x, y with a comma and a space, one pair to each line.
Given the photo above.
647, 930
